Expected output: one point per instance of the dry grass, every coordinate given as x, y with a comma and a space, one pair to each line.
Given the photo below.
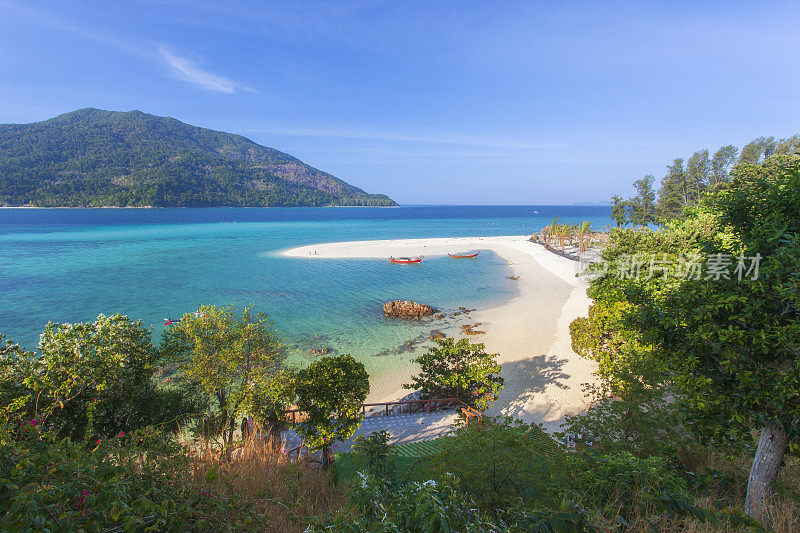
783, 514
287, 494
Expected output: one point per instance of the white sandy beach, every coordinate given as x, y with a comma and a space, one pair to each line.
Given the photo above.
544, 378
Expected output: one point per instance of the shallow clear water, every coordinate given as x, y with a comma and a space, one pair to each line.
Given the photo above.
69, 265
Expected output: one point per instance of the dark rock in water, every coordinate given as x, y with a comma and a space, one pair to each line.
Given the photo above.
439, 316
469, 329
407, 346
319, 351
436, 334
407, 309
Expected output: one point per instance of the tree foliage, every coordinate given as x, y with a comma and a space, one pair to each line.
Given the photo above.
727, 343
520, 464
458, 370
642, 210
686, 180
88, 379
330, 392
229, 355
721, 163
619, 208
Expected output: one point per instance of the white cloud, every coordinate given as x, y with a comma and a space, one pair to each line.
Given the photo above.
187, 70
432, 138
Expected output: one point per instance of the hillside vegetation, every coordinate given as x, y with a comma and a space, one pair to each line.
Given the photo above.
93, 158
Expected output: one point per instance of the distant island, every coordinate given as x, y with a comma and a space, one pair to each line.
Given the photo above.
96, 158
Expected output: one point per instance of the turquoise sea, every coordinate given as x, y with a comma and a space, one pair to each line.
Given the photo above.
69, 265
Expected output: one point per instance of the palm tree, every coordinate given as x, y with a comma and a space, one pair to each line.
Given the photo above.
581, 232
561, 233
550, 231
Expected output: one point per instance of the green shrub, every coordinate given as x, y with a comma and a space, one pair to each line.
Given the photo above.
377, 456
439, 506
620, 483
127, 480
642, 422
500, 464
458, 370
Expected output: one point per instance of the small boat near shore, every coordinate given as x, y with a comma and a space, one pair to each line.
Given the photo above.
406, 260
464, 255
171, 321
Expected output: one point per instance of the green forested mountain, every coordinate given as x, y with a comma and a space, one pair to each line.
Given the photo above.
93, 158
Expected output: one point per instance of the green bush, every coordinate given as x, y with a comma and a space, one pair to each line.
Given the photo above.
378, 457
88, 380
620, 483
500, 464
458, 370
434, 506
129, 480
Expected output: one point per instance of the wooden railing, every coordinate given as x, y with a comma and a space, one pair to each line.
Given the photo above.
298, 450
469, 413
431, 403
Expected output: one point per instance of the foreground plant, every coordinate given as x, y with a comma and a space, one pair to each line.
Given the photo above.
145, 481
330, 391
727, 343
458, 369
227, 353
87, 379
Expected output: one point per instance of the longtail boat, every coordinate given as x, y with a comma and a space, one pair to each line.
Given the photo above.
470, 255
406, 260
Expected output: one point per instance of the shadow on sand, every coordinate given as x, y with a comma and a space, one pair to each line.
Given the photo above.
527, 378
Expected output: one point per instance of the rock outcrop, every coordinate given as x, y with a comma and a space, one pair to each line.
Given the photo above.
407, 309
436, 334
468, 329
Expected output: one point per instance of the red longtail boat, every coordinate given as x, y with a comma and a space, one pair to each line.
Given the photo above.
469, 255
406, 260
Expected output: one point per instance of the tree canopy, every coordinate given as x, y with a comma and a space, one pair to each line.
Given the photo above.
458, 369
228, 354
710, 307
330, 391
89, 378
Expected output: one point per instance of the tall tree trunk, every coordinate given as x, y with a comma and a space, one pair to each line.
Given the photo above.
766, 463
326, 458
275, 434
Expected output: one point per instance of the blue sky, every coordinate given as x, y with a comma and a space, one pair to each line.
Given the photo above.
428, 102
